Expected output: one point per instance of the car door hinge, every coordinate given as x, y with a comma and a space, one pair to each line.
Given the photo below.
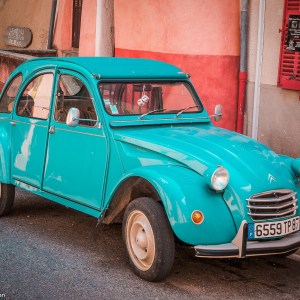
52, 130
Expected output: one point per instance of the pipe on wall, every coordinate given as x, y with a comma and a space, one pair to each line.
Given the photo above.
98, 28
258, 67
243, 66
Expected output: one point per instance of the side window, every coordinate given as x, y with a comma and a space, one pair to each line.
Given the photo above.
9, 95
35, 99
72, 92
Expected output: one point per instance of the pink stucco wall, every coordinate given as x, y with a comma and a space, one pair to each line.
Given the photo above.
63, 28
199, 36
209, 27
88, 28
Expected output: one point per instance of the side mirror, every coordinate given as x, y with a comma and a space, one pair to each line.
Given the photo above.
73, 117
218, 112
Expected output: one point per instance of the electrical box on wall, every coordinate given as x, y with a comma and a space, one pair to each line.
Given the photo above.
289, 63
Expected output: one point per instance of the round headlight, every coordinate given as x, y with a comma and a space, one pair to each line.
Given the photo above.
220, 179
217, 179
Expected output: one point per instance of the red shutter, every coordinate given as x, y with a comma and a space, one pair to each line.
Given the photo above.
289, 63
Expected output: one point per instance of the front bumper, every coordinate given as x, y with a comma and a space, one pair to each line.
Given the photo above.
240, 247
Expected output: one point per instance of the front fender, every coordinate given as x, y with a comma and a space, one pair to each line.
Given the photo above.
182, 191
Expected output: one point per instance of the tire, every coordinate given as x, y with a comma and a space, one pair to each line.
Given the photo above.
149, 239
7, 197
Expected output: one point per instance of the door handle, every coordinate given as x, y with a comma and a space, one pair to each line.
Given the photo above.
52, 130
13, 123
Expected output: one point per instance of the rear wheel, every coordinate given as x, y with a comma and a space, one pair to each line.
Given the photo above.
149, 239
7, 196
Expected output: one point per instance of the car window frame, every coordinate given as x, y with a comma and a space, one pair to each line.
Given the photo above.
85, 81
17, 94
116, 81
24, 86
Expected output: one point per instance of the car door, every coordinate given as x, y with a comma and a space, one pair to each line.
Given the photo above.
30, 129
76, 156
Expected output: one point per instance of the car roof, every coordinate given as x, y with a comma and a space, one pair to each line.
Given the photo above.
114, 68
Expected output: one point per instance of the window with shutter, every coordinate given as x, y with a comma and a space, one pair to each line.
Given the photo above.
289, 64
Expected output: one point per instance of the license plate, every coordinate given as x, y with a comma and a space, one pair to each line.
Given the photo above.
273, 229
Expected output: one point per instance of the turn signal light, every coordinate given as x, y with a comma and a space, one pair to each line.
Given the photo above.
197, 217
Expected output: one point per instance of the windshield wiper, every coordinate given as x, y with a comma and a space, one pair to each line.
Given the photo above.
185, 109
151, 112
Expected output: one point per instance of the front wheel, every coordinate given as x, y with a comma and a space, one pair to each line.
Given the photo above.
7, 196
149, 239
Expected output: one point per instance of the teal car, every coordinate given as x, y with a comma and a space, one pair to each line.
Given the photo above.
128, 140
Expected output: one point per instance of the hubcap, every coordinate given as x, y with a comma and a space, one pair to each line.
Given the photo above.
140, 240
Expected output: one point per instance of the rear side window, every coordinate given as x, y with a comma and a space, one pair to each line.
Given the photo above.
35, 99
9, 95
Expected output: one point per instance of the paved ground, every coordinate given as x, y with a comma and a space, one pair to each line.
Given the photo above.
50, 252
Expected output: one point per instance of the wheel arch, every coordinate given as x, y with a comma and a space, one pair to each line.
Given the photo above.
129, 189
181, 191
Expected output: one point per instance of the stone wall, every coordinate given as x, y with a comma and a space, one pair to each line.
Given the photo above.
9, 60
32, 14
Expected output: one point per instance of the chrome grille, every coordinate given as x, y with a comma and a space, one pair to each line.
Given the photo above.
272, 204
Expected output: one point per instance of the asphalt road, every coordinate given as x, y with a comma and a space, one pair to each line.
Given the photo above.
48, 251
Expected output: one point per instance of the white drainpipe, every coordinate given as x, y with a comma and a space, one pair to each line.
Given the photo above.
258, 68
104, 40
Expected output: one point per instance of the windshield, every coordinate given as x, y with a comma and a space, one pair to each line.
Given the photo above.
143, 98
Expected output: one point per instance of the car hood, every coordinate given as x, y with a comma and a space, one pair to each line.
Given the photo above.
251, 165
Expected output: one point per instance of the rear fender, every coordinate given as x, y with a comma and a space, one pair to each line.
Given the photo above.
5, 153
